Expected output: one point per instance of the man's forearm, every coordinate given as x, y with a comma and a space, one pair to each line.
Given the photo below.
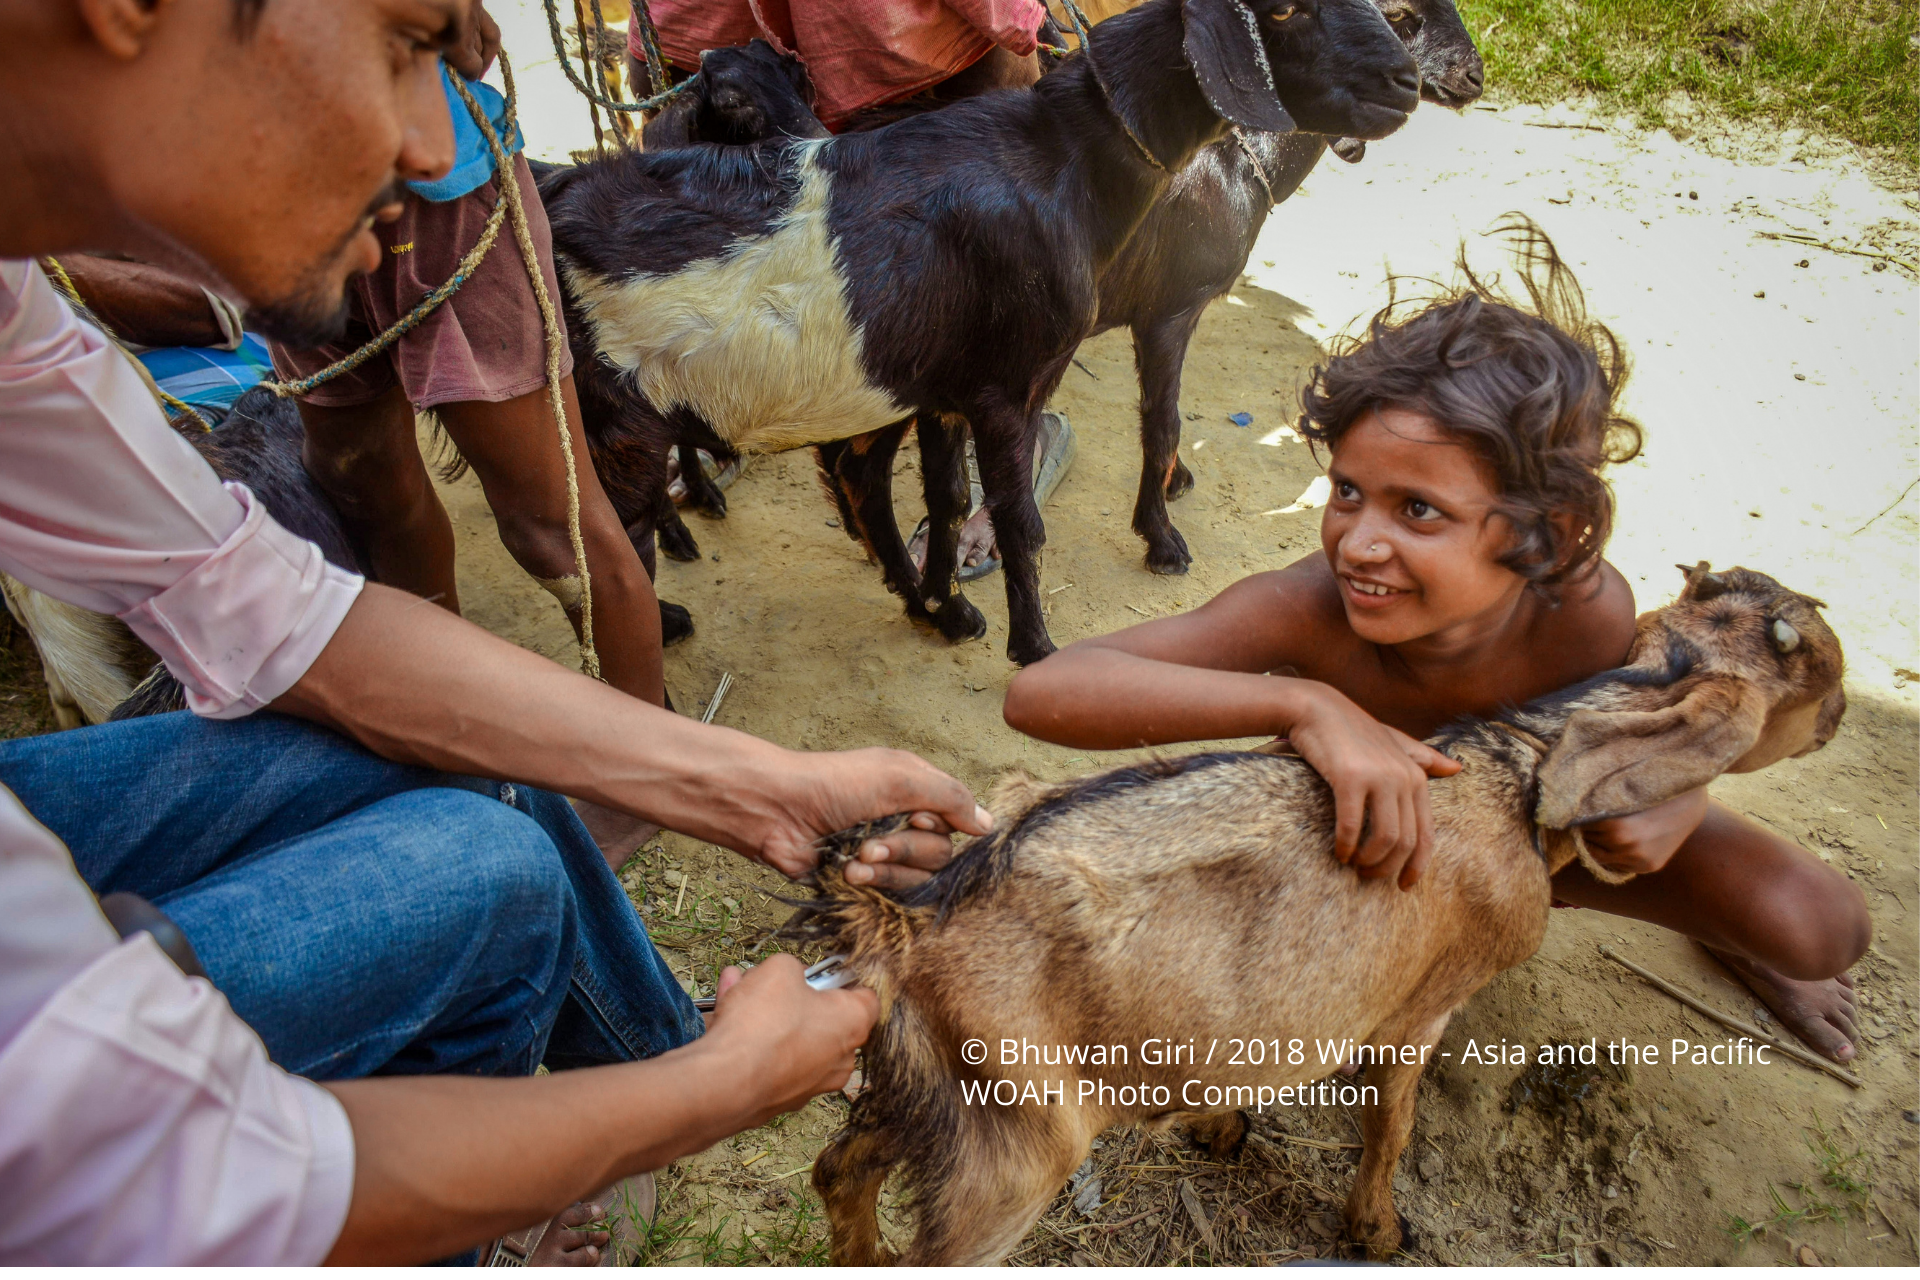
419, 685
442, 1163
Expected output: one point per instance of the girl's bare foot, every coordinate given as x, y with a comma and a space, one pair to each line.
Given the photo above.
1820, 1013
567, 1243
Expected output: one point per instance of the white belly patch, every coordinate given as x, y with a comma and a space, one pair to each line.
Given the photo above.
758, 341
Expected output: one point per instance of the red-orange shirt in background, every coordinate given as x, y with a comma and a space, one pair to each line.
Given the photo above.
860, 53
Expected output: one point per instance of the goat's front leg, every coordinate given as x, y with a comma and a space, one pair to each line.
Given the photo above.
1372, 1220
1159, 351
1003, 440
865, 475
943, 468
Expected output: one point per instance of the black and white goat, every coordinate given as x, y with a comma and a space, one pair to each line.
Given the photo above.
765, 298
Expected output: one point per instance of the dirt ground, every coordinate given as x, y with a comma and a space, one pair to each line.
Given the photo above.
1776, 376
1777, 382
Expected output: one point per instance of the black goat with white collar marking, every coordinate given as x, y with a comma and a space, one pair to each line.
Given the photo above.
758, 299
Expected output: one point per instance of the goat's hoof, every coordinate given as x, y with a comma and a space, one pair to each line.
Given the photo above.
676, 623
1169, 556
1384, 1238
958, 620
676, 543
708, 501
1179, 481
1027, 652
1222, 1136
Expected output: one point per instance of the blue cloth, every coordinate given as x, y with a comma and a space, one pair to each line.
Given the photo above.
363, 917
207, 377
472, 162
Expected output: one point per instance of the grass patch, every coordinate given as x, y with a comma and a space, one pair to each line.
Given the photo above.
1843, 67
1843, 1189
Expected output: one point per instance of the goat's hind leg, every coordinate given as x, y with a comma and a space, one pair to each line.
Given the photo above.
996, 1182
847, 1175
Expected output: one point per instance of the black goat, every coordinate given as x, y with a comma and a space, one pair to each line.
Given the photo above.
770, 297
743, 93
1195, 242
1190, 249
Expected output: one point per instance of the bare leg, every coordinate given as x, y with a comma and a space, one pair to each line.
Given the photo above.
515, 451
1785, 922
366, 458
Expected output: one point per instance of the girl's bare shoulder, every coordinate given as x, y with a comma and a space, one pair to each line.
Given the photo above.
1592, 627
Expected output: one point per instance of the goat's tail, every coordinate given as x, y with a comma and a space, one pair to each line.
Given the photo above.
873, 929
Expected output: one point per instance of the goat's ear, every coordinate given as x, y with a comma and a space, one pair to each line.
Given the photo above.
1610, 763
1223, 48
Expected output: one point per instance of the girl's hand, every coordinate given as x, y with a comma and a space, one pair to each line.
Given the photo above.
1642, 843
1379, 780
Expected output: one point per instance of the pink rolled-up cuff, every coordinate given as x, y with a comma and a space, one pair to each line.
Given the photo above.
243, 627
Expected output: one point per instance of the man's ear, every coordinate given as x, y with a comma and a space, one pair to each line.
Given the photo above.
1223, 48
1610, 763
122, 27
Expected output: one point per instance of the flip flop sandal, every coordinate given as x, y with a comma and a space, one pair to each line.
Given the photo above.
1058, 448
631, 1206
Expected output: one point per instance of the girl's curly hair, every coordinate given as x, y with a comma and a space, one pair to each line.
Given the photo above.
1531, 386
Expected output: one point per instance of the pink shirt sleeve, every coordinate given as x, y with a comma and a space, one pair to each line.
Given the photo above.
140, 1119
104, 506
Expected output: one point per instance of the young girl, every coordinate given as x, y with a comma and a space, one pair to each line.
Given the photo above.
1460, 572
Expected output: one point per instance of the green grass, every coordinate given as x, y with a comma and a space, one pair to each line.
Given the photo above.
1847, 68
1845, 1178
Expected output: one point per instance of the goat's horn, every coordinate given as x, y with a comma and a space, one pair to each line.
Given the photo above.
1785, 638
1702, 582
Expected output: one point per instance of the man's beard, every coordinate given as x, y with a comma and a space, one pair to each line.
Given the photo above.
315, 311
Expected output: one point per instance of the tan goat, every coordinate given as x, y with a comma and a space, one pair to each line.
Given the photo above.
1196, 901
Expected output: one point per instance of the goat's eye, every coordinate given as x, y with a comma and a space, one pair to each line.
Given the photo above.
1281, 15
1407, 26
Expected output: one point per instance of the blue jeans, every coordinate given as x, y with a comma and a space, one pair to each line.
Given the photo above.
363, 917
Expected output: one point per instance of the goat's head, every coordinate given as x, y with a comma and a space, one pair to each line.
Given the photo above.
1760, 681
751, 92
1451, 74
1326, 66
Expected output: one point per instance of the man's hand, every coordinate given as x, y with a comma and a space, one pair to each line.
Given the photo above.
795, 1042
1379, 780
476, 46
816, 794
1642, 843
